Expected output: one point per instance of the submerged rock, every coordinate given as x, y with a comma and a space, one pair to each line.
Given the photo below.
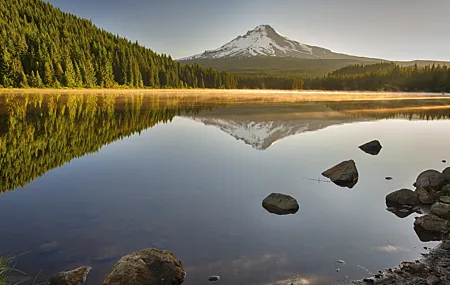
148, 266
432, 223
430, 179
280, 204
344, 174
441, 210
373, 147
74, 277
402, 197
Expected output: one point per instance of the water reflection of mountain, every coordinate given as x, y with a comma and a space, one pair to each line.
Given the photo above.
41, 132
262, 125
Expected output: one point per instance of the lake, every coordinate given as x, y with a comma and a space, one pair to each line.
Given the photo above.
87, 178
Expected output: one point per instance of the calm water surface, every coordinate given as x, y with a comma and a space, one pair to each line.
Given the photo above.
86, 179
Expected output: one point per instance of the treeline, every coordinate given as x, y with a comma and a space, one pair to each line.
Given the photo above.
268, 82
41, 46
44, 131
385, 77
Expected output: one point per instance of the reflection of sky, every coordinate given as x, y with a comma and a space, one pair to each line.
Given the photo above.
197, 191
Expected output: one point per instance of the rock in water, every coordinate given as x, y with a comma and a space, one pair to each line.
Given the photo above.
446, 174
214, 278
73, 277
345, 174
445, 199
280, 204
441, 210
426, 197
147, 267
402, 197
432, 223
373, 147
433, 280
430, 179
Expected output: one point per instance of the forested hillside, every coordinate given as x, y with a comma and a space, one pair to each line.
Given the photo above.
41, 46
385, 77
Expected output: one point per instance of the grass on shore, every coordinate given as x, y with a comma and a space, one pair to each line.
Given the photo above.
7, 266
5, 269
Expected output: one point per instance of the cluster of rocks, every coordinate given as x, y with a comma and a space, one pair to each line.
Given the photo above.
432, 189
431, 270
148, 266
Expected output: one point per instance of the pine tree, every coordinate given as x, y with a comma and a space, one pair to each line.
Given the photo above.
48, 74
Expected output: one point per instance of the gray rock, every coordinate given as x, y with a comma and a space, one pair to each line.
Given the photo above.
344, 174
430, 179
74, 277
446, 174
373, 147
445, 199
441, 210
214, 278
280, 204
445, 245
147, 267
433, 280
426, 197
432, 223
445, 191
413, 267
402, 197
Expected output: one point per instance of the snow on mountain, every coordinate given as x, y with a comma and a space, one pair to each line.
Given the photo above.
265, 41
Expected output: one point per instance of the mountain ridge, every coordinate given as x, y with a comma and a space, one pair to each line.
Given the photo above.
266, 41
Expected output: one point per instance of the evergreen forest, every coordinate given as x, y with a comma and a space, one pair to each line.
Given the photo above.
44, 47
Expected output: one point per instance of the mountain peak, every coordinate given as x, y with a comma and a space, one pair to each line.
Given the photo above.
263, 41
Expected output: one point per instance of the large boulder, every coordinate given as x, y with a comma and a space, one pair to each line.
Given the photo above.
74, 277
280, 204
147, 267
343, 174
373, 147
446, 174
402, 197
430, 179
432, 223
441, 210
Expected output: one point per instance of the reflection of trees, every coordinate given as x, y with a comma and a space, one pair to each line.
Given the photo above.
424, 109
41, 132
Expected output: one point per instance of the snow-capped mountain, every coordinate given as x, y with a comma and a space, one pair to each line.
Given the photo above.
265, 41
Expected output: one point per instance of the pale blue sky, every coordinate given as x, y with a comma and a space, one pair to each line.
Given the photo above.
390, 29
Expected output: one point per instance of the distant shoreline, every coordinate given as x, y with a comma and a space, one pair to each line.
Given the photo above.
205, 90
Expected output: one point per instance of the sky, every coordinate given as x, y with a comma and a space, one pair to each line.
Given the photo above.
388, 29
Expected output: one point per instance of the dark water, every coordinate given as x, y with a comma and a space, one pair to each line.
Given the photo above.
87, 179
